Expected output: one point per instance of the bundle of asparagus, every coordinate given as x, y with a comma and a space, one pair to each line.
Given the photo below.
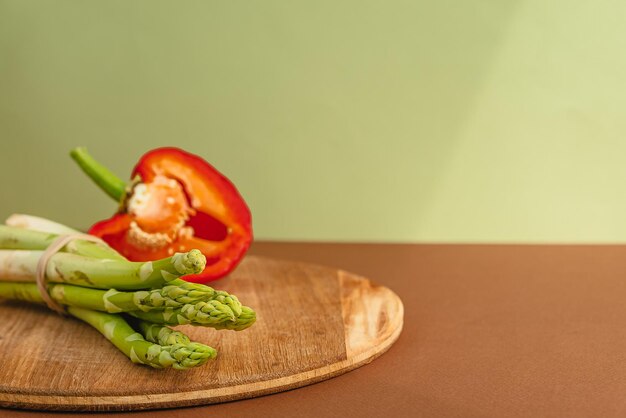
133, 304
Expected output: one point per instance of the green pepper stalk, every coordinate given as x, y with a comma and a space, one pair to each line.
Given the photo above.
137, 349
102, 176
20, 265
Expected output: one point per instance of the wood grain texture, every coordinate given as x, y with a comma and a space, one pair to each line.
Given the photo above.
313, 323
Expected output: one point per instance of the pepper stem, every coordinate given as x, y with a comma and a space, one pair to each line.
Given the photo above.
102, 176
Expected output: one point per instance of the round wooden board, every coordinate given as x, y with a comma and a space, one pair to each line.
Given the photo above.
313, 323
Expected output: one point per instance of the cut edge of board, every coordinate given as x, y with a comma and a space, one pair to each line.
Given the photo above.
231, 393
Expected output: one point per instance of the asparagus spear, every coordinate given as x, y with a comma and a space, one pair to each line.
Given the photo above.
243, 321
208, 316
135, 347
157, 333
163, 335
14, 238
19, 265
111, 301
229, 300
181, 293
35, 223
203, 313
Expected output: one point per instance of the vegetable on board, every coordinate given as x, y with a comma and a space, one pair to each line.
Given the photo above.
175, 201
133, 304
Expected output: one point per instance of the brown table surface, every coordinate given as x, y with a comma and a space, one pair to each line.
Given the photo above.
489, 330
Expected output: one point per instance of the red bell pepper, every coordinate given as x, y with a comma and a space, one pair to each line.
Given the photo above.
175, 202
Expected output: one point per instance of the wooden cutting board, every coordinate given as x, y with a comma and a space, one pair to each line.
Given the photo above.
313, 323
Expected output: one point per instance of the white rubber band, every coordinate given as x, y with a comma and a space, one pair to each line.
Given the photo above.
40, 273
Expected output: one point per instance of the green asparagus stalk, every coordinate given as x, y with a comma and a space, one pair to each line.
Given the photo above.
159, 334
229, 300
200, 315
36, 223
20, 265
137, 349
13, 238
182, 293
111, 301
243, 321
208, 294
164, 335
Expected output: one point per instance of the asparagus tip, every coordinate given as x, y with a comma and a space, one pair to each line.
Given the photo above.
192, 262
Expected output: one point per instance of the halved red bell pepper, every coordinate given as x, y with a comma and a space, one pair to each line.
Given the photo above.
175, 202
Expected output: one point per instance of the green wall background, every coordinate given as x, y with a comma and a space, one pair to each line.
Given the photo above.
445, 121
